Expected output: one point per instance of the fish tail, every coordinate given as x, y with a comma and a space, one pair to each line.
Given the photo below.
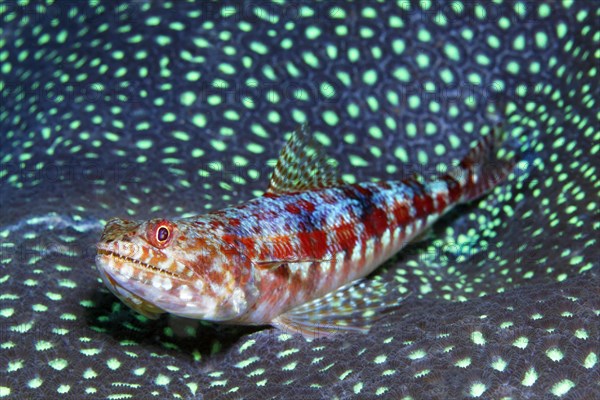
481, 169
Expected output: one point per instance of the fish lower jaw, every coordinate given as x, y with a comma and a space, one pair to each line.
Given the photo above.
138, 304
137, 264
132, 300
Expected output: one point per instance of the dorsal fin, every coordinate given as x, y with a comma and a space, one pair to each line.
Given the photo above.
303, 165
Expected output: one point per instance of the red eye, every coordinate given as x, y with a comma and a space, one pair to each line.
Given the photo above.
162, 234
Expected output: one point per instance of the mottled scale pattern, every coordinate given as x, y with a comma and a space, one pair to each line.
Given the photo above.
303, 245
151, 109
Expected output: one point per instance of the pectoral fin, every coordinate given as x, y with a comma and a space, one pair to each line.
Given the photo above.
268, 265
354, 307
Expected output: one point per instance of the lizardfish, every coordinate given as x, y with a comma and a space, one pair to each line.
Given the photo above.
296, 257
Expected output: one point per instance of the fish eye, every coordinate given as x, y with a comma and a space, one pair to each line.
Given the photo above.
162, 234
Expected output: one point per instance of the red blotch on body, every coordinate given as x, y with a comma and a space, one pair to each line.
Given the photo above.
281, 248
230, 249
313, 245
214, 224
423, 205
401, 213
346, 237
292, 208
275, 249
215, 277
249, 245
384, 185
306, 205
441, 203
375, 222
362, 190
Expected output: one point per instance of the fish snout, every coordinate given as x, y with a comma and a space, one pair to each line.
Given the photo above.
120, 248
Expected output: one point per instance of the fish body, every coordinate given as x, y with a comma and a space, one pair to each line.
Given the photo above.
293, 258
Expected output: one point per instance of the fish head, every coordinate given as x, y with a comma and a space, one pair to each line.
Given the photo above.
163, 266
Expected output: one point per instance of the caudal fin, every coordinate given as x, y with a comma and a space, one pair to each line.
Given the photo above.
481, 170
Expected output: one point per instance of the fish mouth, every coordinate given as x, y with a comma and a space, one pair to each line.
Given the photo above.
137, 263
131, 299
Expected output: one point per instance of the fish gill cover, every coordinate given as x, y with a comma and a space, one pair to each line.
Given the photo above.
146, 109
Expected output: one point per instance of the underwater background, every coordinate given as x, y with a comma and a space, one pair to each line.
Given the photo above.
150, 109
